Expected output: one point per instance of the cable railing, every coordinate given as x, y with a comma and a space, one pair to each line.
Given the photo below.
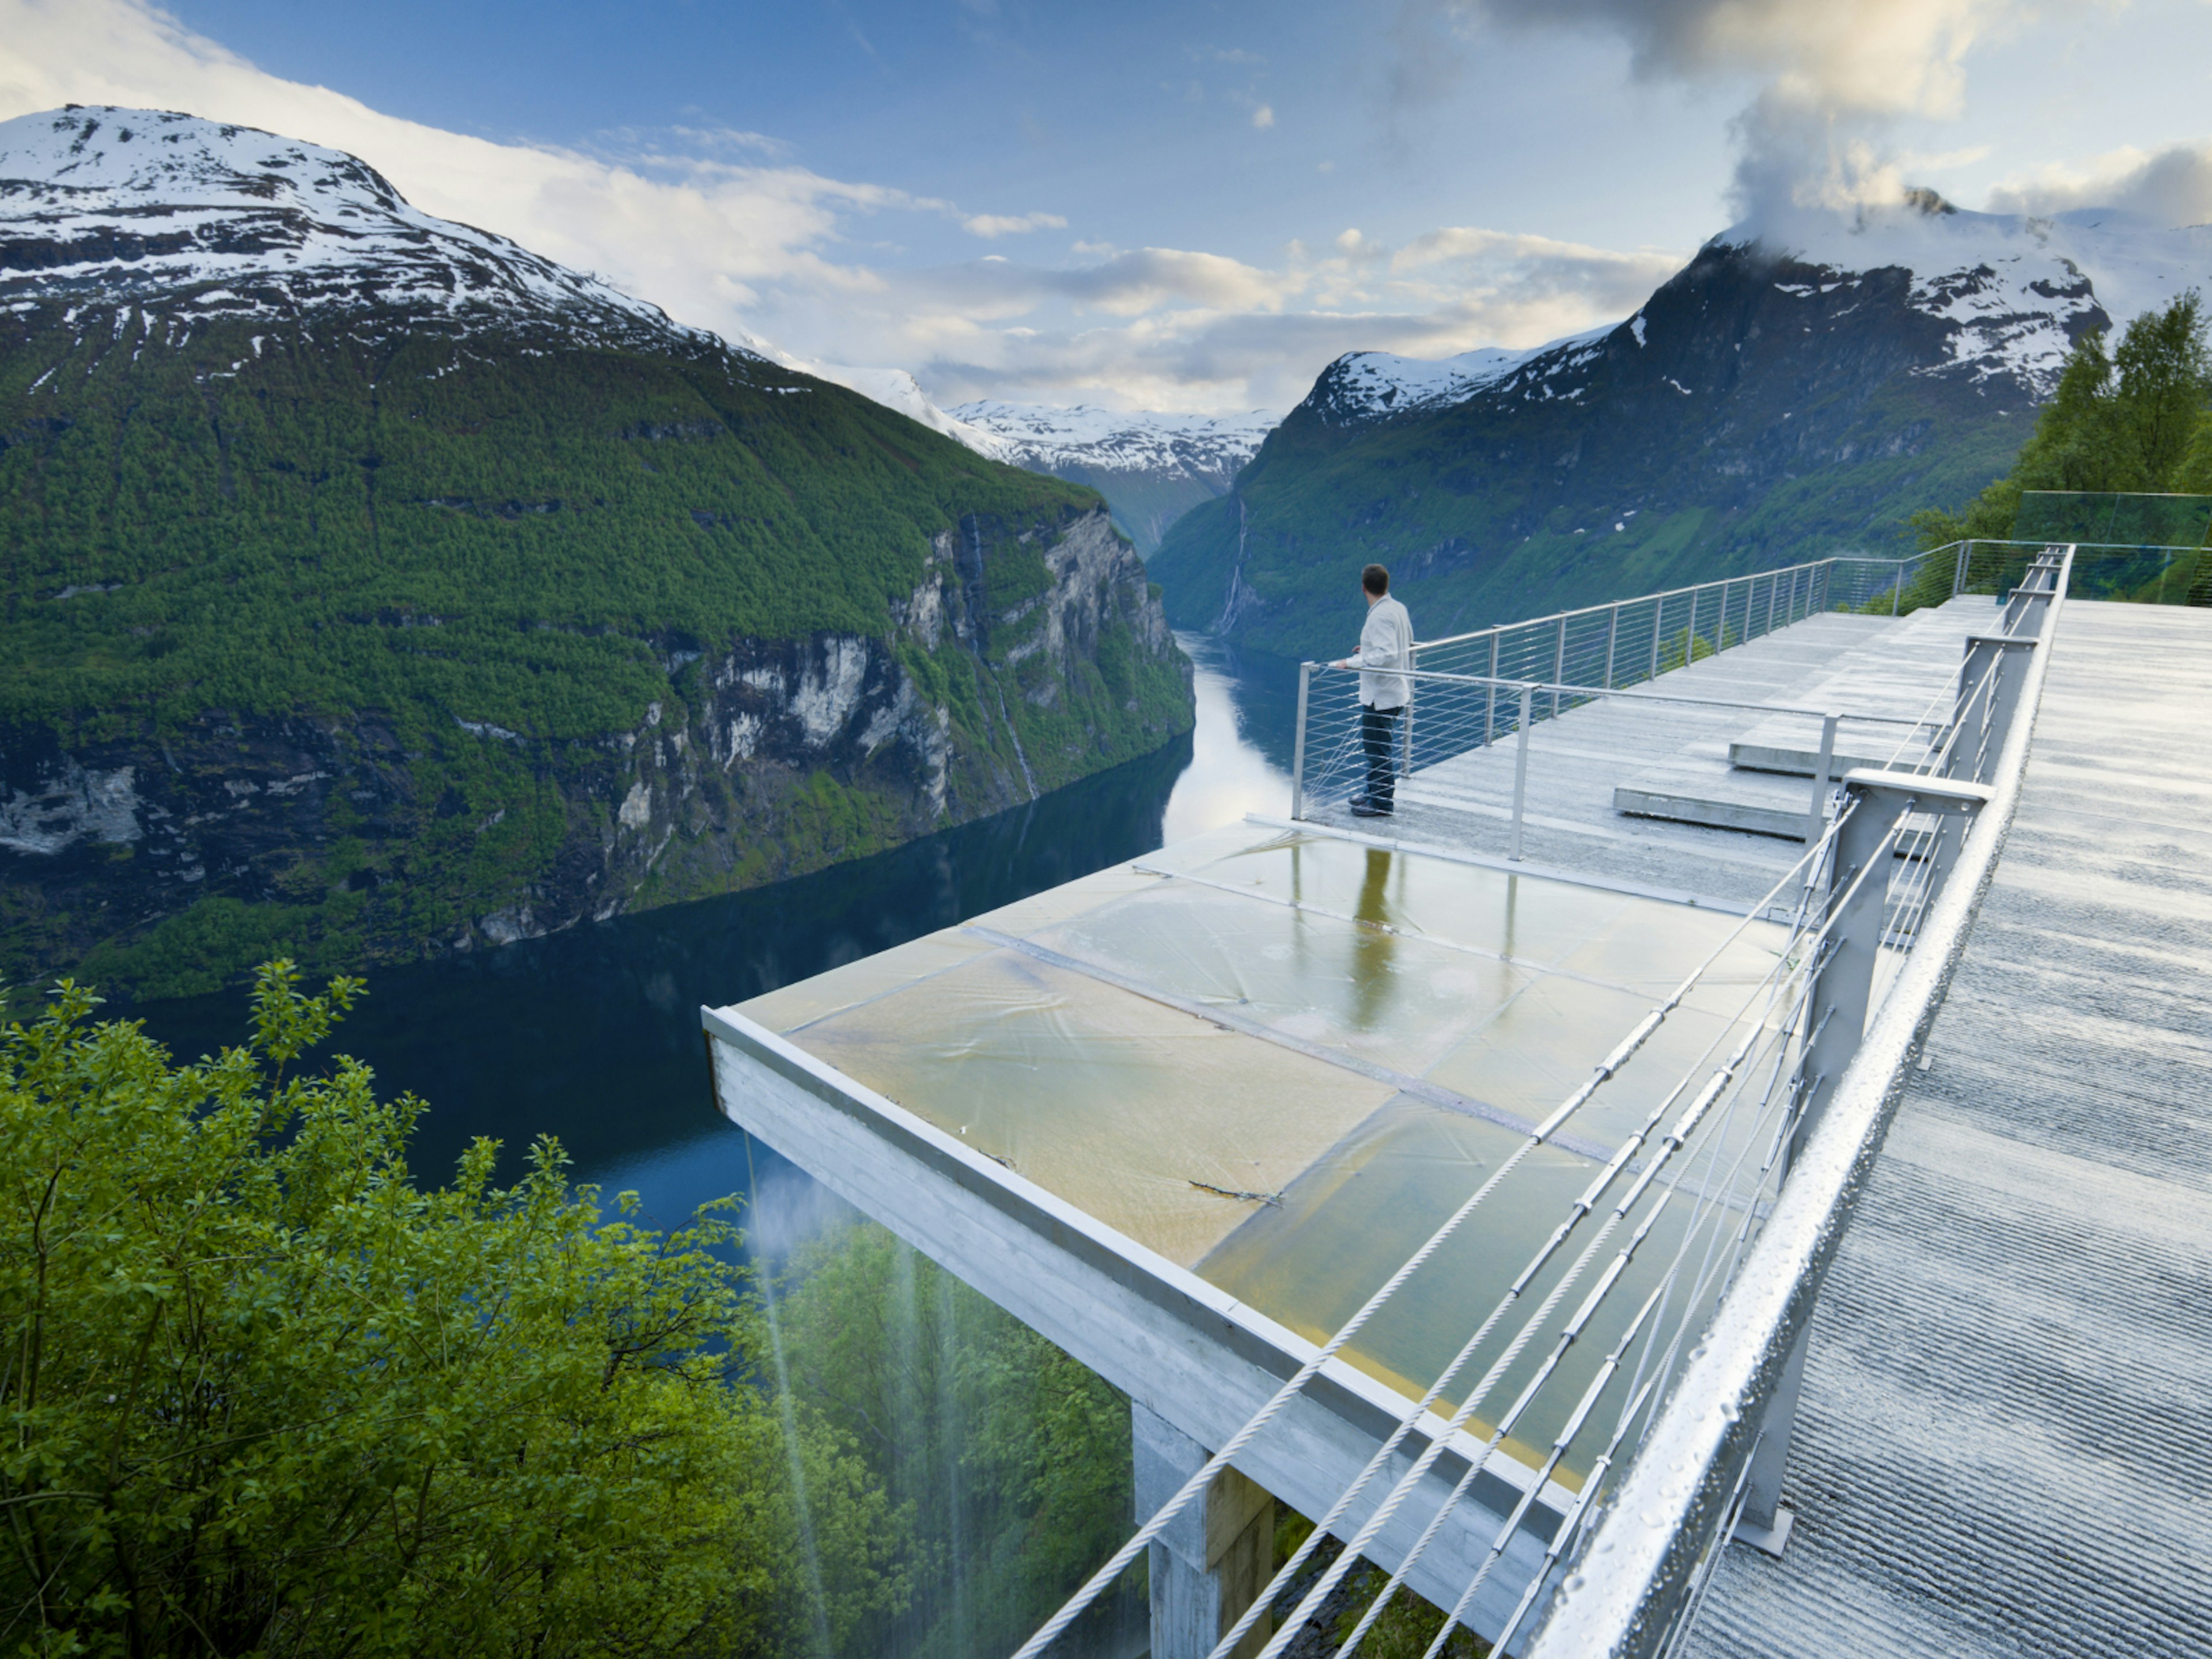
1698, 1246
1472, 691
1713, 1457
1468, 687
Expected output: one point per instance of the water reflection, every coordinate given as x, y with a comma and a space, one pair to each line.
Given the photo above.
1230, 772
1374, 945
594, 1035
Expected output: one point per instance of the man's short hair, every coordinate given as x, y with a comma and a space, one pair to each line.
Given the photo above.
1376, 579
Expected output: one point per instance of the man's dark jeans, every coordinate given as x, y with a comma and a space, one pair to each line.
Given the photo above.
1378, 736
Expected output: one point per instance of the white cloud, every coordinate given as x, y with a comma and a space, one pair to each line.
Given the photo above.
1876, 56
1264, 117
727, 231
1833, 75
2171, 186
991, 226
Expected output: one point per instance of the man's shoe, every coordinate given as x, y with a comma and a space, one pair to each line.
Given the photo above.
1364, 808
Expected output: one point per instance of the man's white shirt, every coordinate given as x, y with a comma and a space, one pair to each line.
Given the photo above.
1386, 655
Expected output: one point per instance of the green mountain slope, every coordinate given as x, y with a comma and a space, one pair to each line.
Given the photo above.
1757, 411
373, 629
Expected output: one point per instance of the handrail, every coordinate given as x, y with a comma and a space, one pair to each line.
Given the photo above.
1662, 1533
1664, 593
1634, 693
1628, 642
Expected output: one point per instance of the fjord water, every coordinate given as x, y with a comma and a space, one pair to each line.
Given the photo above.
593, 1036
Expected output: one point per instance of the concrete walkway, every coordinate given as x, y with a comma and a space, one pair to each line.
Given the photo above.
2004, 1445
1863, 665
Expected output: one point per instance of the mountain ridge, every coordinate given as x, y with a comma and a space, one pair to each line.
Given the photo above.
1767, 403
1151, 466
373, 587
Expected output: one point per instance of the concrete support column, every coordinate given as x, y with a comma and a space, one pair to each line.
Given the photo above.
1214, 1558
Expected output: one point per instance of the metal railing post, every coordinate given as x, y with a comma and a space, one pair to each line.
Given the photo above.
1959, 576
1816, 815
1299, 752
1773, 592
1844, 984
1970, 726
1658, 626
1989, 679
1490, 706
1764, 1523
1897, 592
1611, 637
1559, 665
1520, 767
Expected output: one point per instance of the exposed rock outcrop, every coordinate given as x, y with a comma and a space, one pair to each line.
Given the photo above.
767, 758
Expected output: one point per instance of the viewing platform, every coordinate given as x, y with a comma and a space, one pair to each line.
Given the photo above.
1467, 1179
2007, 1415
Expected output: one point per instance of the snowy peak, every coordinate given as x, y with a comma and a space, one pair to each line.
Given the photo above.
2013, 291
2007, 296
1206, 448
100, 204
1151, 468
1363, 385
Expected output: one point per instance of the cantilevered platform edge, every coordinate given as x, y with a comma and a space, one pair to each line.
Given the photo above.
1189, 1351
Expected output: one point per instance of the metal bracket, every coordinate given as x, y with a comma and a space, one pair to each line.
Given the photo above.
1770, 1539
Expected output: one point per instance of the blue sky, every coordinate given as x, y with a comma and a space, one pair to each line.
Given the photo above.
1135, 121
1194, 205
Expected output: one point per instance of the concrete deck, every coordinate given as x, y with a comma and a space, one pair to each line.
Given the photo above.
1579, 762
2004, 1441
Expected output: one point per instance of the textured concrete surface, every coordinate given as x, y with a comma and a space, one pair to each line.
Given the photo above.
2005, 1440
1864, 665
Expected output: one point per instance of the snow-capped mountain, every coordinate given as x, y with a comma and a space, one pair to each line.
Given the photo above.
1367, 384
1802, 386
413, 538
2009, 292
204, 219
1150, 467
200, 219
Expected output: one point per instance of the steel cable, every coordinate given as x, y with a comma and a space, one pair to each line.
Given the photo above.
1607, 1068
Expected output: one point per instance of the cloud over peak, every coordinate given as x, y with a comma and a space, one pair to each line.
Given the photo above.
2172, 186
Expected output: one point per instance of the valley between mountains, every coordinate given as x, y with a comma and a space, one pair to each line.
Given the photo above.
375, 588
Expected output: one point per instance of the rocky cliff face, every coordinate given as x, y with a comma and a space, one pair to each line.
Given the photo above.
163, 858
370, 586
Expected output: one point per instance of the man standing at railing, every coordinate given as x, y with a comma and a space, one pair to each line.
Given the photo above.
1386, 657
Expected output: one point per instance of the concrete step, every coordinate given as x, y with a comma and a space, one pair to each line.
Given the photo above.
1775, 749
1718, 796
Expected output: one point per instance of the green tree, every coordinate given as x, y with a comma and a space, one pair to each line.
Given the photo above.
1014, 1459
263, 1394
2165, 381
2130, 418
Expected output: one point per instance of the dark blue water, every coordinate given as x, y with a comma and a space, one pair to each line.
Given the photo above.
592, 1035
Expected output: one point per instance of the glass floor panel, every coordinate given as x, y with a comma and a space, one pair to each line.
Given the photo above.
1285, 1063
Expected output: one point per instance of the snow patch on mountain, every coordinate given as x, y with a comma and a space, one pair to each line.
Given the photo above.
2014, 291
1366, 386
100, 204
1209, 448
2015, 288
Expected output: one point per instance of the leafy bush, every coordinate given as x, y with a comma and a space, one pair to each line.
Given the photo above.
2137, 418
265, 1394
